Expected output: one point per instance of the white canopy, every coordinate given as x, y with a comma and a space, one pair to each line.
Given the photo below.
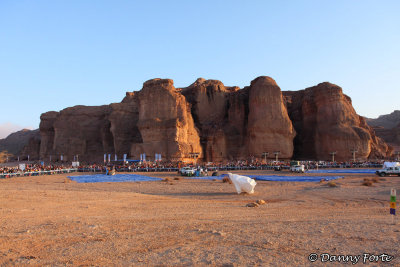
391, 164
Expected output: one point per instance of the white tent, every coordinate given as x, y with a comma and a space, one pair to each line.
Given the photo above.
391, 164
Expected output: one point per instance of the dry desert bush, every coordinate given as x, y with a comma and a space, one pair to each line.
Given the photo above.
332, 184
226, 180
367, 182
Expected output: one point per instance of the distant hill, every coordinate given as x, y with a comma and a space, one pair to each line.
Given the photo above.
388, 121
387, 127
15, 142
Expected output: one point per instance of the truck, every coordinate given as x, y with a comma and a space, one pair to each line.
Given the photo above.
389, 168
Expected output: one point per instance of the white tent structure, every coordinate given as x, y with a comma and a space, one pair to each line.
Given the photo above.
391, 164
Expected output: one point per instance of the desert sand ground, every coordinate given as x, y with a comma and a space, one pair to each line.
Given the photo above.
50, 221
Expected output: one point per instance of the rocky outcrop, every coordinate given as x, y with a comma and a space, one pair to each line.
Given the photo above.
209, 101
238, 124
269, 127
390, 136
388, 121
124, 119
15, 143
326, 122
165, 123
155, 120
32, 148
216, 121
81, 130
387, 127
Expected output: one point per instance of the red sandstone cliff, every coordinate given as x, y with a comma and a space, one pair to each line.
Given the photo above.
165, 123
238, 124
269, 127
218, 122
326, 122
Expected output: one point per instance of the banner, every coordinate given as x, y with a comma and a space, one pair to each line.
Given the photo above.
125, 157
105, 156
22, 167
393, 201
109, 158
115, 157
61, 157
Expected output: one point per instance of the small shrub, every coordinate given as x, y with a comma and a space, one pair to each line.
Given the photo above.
226, 180
332, 184
367, 183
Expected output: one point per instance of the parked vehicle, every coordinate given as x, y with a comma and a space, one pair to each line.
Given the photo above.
297, 168
187, 171
389, 168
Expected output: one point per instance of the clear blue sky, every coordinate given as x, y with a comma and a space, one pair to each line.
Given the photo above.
56, 54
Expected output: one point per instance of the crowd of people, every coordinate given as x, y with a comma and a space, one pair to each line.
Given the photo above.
34, 170
43, 169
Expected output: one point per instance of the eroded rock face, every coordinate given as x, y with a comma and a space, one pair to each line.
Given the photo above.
165, 123
326, 122
32, 148
269, 127
124, 118
218, 122
390, 136
15, 144
238, 124
388, 121
47, 133
80, 130
209, 108
387, 127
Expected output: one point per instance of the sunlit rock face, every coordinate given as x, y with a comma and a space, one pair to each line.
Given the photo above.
165, 123
214, 121
326, 122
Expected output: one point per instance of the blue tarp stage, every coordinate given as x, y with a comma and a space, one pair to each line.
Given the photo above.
101, 178
343, 171
277, 178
